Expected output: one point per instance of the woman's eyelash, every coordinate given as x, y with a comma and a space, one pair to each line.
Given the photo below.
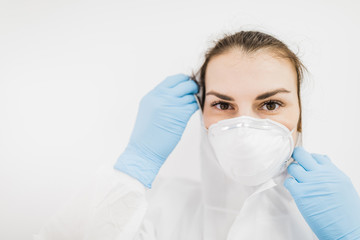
219, 102
281, 104
268, 102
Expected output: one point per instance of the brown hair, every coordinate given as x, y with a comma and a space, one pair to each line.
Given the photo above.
250, 42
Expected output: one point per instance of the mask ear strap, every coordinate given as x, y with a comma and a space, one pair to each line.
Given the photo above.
299, 142
198, 102
198, 97
293, 130
199, 94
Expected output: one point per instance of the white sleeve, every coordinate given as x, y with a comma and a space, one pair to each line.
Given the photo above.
110, 206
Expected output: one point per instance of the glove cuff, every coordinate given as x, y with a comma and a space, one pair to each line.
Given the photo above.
131, 163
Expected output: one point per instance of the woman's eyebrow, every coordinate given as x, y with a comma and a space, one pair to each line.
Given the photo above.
260, 97
271, 93
219, 95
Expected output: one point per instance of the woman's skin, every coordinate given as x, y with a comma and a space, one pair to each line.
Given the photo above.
324, 195
247, 78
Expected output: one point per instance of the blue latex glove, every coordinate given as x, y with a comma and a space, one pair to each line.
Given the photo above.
324, 195
161, 120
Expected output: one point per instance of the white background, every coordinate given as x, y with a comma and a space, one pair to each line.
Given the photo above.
73, 72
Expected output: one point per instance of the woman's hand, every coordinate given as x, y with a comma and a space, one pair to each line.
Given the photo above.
324, 195
161, 120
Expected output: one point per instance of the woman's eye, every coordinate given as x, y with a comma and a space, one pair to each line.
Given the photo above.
223, 105
271, 105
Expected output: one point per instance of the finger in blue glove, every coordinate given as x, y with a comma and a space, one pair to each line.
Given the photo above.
161, 120
324, 195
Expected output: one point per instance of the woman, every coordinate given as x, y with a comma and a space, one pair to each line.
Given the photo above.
248, 91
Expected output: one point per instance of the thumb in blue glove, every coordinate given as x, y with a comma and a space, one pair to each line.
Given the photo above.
324, 195
161, 120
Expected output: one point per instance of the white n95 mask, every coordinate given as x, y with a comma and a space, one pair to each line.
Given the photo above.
251, 150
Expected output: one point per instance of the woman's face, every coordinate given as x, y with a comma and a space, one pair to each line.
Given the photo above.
257, 85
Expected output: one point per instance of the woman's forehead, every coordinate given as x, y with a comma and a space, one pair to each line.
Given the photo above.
250, 72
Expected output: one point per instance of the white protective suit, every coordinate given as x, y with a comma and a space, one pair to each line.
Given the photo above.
117, 206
